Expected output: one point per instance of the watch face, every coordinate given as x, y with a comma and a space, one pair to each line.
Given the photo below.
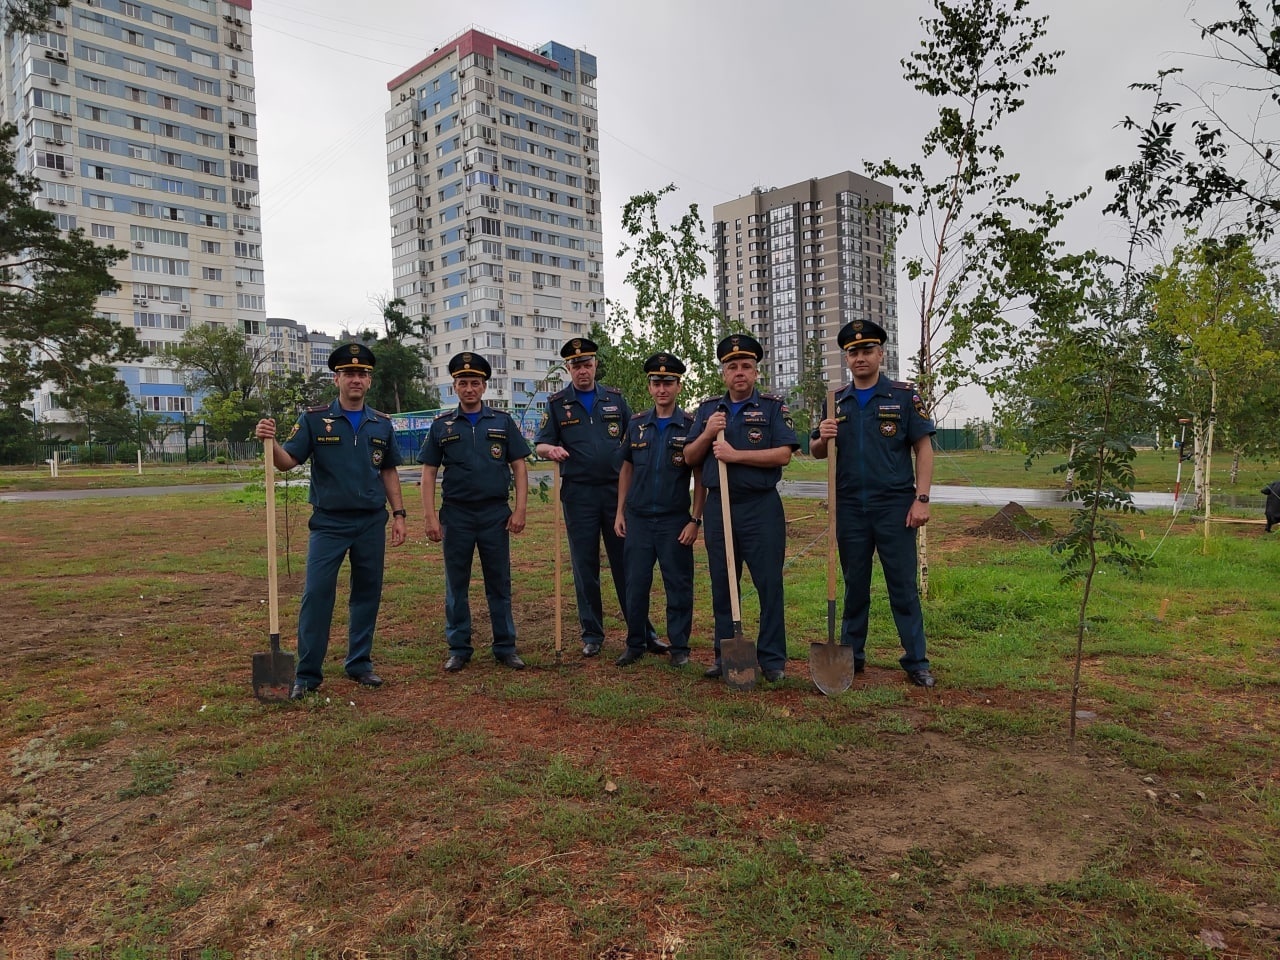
923, 498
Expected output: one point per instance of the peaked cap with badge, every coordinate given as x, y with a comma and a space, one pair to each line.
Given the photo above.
470, 365
579, 350
739, 346
664, 368
352, 356
859, 333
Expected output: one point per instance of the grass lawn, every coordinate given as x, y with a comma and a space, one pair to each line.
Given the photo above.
578, 810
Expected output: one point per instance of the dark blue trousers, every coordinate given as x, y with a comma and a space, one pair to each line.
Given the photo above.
334, 535
650, 540
589, 511
881, 529
759, 541
470, 529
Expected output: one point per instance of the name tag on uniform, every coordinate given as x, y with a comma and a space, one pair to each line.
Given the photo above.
328, 438
890, 412
497, 434
755, 416
606, 408
450, 437
570, 423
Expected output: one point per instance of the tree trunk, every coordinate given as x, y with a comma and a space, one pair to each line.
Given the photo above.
1197, 459
1235, 467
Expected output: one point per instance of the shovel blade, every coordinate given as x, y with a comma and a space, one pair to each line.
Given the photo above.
738, 660
831, 667
273, 673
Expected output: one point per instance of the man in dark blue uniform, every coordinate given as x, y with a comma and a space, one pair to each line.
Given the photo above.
878, 424
583, 433
654, 513
480, 449
759, 439
353, 456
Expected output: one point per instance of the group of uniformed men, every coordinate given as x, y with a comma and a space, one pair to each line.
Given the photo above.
624, 479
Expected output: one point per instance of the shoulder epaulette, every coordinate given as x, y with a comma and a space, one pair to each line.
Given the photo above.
377, 414
903, 385
320, 409
772, 396
558, 394
715, 399
637, 416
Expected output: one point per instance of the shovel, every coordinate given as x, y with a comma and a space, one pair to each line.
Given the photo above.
831, 663
555, 506
272, 671
738, 660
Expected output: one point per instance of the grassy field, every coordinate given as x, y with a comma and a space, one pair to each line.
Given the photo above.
1155, 471
576, 810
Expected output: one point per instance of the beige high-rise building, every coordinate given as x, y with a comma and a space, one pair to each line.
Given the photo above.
797, 262
138, 119
493, 170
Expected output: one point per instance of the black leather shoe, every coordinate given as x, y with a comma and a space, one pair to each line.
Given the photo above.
300, 690
658, 645
680, 658
590, 649
369, 679
773, 676
860, 666
629, 657
511, 660
455, 663
921, 678
715, 671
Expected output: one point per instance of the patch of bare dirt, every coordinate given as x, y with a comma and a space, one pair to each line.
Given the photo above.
1012, 522
981, 814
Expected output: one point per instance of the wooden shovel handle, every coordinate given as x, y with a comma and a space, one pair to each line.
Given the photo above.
831, 504
273, 591
555, 506
726, 516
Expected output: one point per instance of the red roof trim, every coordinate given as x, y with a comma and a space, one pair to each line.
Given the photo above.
242, 4
473, 41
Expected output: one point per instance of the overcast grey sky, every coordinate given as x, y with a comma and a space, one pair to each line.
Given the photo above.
823, 92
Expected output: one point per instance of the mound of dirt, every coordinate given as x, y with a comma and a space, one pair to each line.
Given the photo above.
1012, 522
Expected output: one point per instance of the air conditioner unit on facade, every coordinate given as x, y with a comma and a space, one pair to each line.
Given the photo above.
61, 203
185, 307
537, 286
231, 98
239, 283
53, 82
240, 232
139, 244
232, 74
64, 173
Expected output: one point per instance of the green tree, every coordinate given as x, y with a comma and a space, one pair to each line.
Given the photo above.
1092, 420
399, 380
50, 282
221, 361
229, 371
28, 16
666, 266
1217, 304
986, 250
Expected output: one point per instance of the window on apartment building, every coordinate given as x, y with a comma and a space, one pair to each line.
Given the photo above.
167, 47
211, 273
162, 19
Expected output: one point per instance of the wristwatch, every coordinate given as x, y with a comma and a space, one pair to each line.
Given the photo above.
696, 521
400, 513
922, 497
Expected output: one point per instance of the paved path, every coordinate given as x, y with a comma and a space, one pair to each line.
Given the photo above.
994, 497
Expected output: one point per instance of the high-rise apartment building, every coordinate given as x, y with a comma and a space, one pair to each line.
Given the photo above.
493, 169
797, 262
138, 118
